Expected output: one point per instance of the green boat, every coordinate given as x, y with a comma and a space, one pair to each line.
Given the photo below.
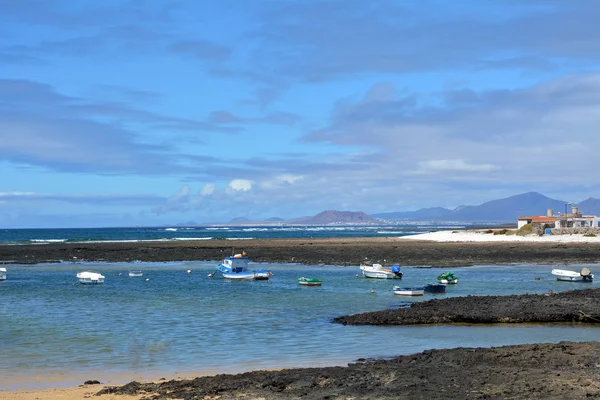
310, 281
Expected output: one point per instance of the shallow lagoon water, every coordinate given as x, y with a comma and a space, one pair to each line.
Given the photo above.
188, 324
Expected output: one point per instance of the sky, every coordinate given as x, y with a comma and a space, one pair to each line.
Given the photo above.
159, 112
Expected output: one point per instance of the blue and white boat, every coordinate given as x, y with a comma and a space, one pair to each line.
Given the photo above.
2, 274
236, 267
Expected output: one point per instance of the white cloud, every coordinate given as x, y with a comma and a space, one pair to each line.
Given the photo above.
458, 165
240, 185
208, 189
281, 180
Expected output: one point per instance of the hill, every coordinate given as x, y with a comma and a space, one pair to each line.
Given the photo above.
332, 217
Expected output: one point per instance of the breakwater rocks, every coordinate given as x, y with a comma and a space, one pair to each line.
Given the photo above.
539, 371
340, 251
572, 306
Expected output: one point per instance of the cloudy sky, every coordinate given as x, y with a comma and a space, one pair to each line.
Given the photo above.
141, 112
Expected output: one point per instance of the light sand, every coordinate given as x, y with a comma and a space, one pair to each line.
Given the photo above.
480, 236
78, 393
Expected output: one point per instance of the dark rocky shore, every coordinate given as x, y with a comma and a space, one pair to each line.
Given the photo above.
312, 251
539, 371
572, 306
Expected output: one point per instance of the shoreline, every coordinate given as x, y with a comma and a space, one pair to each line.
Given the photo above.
564, 370
437, 249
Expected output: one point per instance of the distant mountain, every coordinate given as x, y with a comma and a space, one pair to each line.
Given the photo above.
239, 220
274, 219
423, 213
507, 209
332, 216
590, 206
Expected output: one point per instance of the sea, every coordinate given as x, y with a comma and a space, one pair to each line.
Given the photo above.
223, 232
176, 321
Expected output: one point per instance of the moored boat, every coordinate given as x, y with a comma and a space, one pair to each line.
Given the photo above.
2, 274
236, 267
90, 278
408, 291
435, 288
309, 281
135, 273
447, 278
379, 272
585, 275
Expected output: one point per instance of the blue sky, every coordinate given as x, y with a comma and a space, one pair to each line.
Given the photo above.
121, 113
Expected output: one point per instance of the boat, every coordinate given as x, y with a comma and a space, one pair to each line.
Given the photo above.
447, 278
409, 291
585, 275
379, 272
310, 281
135, 273
236, 267
2, 274
435, 288
90, 278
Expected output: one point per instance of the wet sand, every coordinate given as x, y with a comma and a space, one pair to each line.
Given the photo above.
313, 251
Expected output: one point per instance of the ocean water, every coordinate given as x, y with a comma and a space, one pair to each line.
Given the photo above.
27, 236
56, 332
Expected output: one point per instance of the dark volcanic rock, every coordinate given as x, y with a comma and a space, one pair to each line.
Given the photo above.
539, 371
347, 251
573, 306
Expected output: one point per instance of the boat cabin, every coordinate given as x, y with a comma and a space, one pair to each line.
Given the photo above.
237, 263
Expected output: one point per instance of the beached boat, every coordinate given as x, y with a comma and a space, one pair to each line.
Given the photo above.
409, 291
379, 272
90, 278
447, 278
236, 267
309, 281
2, 274
585, 275
435, 288
135, 273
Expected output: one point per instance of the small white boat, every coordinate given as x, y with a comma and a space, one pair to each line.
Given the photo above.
90, 278
585, 275
236, 267
408, 291
2, 274
135, 273
379, 272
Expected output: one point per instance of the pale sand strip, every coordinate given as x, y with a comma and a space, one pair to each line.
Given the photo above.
480, 236
78, 393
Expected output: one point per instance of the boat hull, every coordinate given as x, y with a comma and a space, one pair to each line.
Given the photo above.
310, 282
432, 288
2, 274
571, 276
247, 276
378, 272
134, 274
447, 282
86, 281
409, 291
90, 278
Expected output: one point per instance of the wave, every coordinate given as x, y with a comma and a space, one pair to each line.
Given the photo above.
171, 229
